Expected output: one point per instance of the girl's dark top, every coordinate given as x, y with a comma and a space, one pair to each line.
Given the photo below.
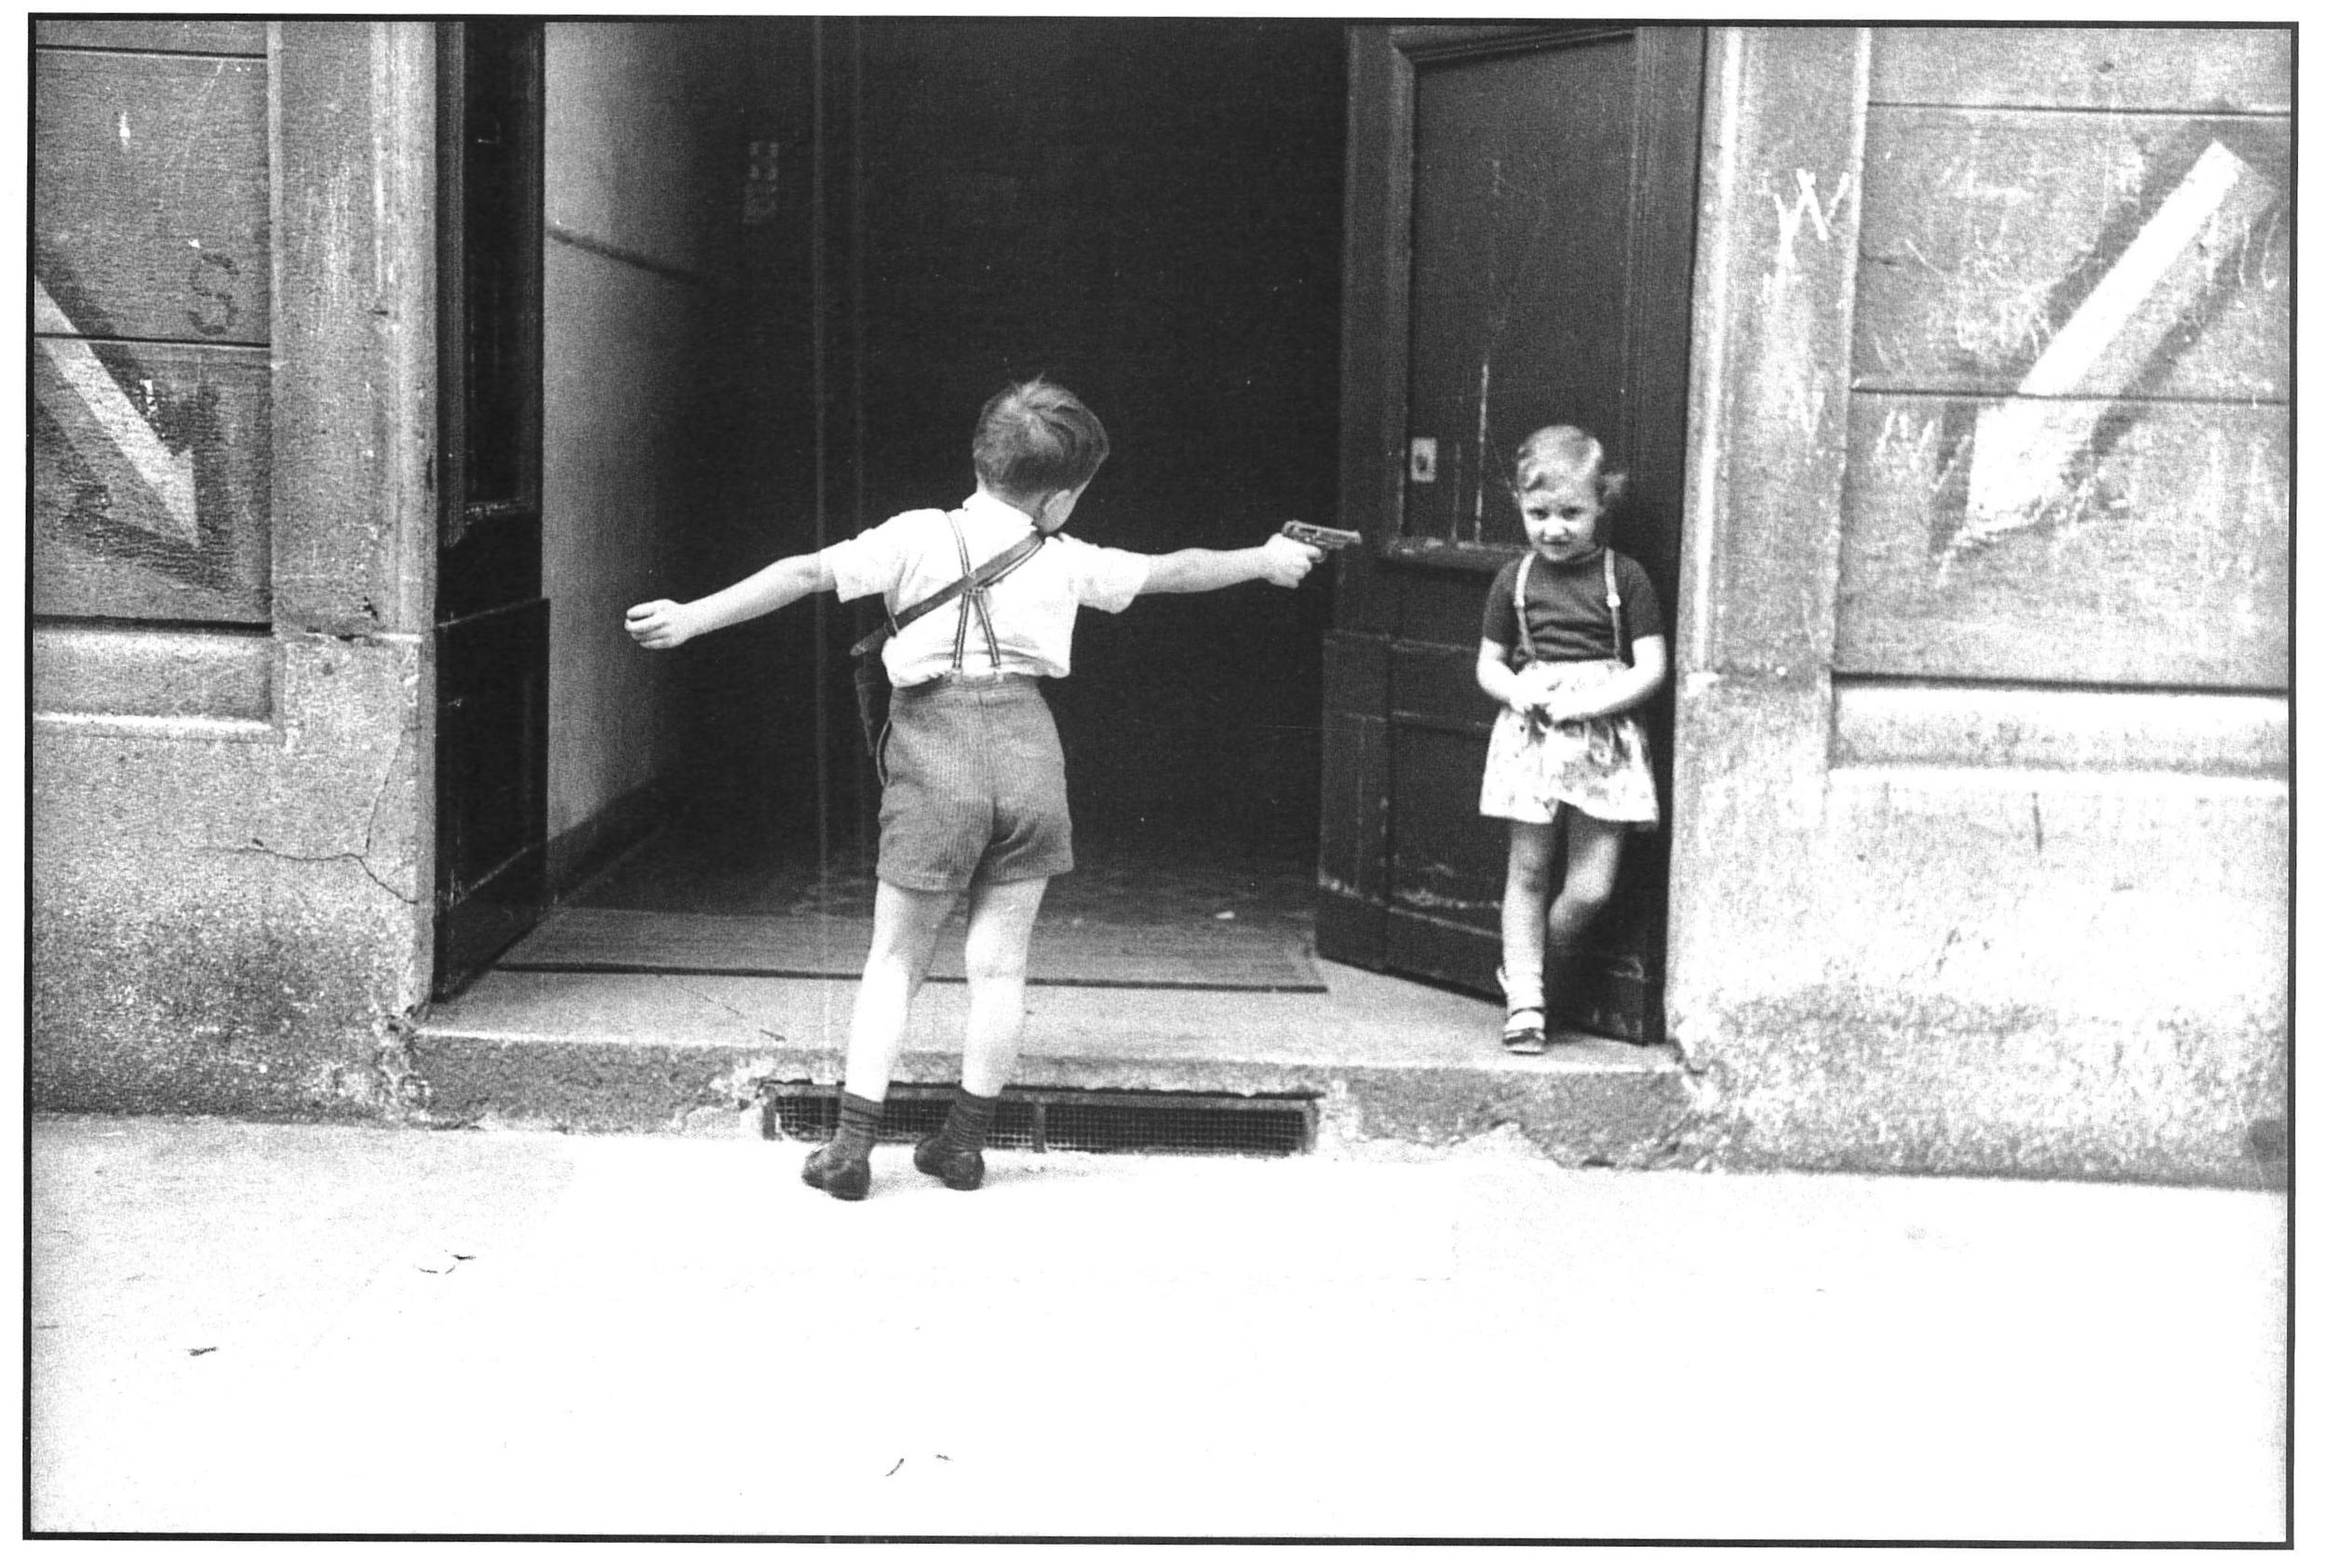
1568, 609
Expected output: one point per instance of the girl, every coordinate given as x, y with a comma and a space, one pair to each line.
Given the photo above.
1552, 650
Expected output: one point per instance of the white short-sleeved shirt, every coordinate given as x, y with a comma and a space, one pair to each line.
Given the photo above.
913, 556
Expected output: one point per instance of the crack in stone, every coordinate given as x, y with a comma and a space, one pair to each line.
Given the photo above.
372, 819
730, 1008
258, 847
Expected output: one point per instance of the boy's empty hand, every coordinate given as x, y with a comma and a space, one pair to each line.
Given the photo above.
657, 623
1285, 561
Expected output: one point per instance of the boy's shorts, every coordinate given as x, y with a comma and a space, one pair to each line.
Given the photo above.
977, 786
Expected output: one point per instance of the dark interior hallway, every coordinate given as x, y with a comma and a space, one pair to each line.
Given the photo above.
1147, 213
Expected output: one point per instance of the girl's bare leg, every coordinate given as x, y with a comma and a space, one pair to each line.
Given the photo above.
1594, 850
1527, 894
906, 923
1002, 929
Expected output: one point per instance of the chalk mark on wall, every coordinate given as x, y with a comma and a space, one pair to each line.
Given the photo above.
1805, 205
2027, 452
106, 429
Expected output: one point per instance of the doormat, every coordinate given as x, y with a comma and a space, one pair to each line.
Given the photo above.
1215, 955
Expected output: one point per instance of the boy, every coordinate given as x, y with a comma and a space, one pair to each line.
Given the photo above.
974, 785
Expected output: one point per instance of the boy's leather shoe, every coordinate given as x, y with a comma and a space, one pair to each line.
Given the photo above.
960, 1168
840, 1175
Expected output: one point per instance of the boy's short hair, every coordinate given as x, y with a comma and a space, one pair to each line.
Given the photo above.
1035, 437
1562, 450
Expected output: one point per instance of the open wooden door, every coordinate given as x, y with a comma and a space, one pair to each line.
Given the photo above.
1521, 217
492, 622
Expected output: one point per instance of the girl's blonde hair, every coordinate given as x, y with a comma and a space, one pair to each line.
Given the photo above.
1559, 451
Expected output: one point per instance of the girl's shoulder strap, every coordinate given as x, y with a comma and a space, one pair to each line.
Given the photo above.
1615, 604
1519, 604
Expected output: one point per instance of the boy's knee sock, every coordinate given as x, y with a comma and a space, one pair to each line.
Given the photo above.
953, 1153
860, 1120
970, 1121
843, 1167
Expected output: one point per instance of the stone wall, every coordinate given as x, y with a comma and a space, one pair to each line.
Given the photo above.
231, 758
1982, 822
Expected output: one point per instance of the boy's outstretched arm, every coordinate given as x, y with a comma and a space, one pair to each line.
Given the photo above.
663, 624
1281, 561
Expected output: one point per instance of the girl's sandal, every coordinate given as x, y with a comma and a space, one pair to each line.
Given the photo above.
1523, 1031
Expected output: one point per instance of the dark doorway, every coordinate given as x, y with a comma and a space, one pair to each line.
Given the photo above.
905, 216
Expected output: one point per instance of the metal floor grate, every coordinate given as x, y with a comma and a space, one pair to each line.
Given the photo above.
1095, 1121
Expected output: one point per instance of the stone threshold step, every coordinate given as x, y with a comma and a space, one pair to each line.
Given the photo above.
1380, 1058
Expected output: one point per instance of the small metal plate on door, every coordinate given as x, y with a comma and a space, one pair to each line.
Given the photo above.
1421, 461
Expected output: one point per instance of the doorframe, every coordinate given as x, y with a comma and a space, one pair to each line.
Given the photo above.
486, 587
1769, 375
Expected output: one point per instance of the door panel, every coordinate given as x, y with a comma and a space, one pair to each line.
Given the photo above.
1521, 222
1446, 864
1519, 160
491, 623
1351, 819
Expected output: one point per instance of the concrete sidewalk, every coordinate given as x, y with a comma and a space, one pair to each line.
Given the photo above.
305, 1329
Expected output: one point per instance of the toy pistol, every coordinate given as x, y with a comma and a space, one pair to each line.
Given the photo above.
1322, 537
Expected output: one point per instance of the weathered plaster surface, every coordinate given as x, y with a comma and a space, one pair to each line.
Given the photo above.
2037, 972
233, 925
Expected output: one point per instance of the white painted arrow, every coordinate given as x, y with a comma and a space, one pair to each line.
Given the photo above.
2023, 450
107, 430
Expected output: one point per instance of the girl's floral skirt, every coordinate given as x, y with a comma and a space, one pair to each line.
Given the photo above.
1599, 766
